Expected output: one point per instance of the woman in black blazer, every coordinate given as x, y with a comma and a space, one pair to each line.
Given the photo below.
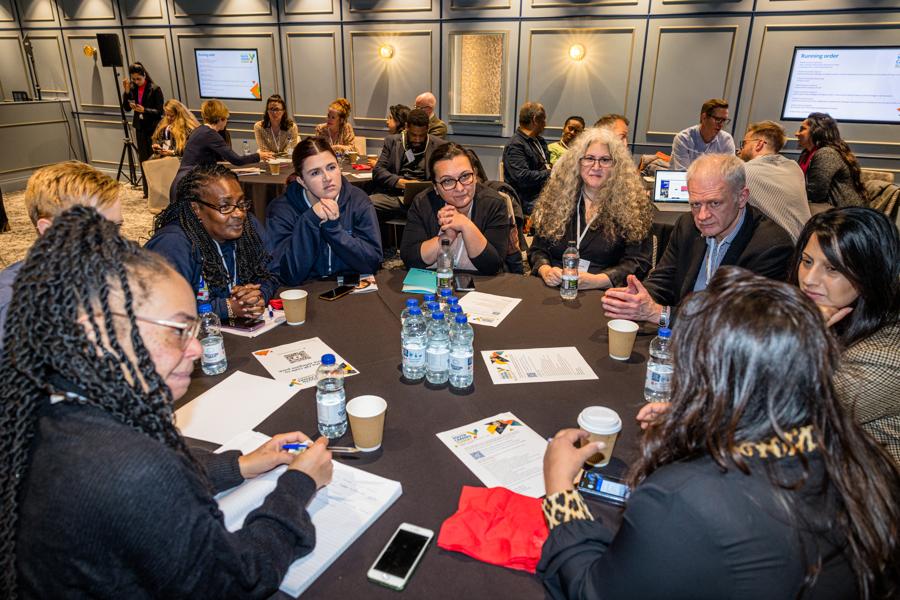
753, 484
145, 98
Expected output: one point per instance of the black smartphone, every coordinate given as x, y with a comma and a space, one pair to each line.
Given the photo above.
464, 282
338, 292
246, 323
603, 487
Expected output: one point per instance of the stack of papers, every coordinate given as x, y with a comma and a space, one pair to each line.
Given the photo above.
537, 365
341, 511
487, 309
296, 363
420, 281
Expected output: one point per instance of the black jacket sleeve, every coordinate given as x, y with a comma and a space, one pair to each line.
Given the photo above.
153, 105
663, 282
493, 222
517, 169
382, 176
635, 261
539, 254
418, 229
217, 144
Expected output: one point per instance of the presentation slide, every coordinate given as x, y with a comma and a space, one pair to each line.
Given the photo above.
228, 74
851, 84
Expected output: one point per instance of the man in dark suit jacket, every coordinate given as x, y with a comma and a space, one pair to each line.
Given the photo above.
721, 230
404, 158
526, 158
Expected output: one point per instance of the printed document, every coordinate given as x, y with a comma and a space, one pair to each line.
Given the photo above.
487, 309
537, 365
296, 363
502, 452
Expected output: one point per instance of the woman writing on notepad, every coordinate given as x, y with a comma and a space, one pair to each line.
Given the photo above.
101, 495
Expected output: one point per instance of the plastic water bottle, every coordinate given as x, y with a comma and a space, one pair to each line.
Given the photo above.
413, 339
445, 267
428, 298
455, 309
461, 353
331, 399
437, 352
451, 302
213, 360
446, 294
568, 288
658, 384
246, 145
410, 303
431, 308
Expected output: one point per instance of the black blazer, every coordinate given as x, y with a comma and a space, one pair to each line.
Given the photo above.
489, 215
152, 102
386, 172
206, 146
760, 246
525, 168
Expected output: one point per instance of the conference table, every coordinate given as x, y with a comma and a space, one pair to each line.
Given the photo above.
365, 330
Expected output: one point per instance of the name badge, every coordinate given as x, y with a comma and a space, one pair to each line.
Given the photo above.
583, 265
410, 156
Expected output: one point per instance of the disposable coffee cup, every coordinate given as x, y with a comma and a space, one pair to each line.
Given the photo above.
354, 156
366, 414
621, 338
603, 424
294, 306
275, 167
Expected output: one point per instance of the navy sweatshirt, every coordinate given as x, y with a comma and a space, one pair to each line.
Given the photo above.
304, 247
173, 243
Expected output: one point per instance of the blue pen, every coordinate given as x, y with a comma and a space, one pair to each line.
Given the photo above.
290, 447
271, 313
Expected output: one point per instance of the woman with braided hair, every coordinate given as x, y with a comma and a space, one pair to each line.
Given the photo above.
101, 496
216, 244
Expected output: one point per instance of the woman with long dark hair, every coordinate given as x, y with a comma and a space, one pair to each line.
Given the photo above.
212, 240
322, 224
145, 98
754, 484
101, 496
832, 171
396, 119
847, 261
276, 132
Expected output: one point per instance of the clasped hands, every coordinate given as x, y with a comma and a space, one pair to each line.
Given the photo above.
246, 301
452, 222
632, 302
552, 277
315, 461
327, 209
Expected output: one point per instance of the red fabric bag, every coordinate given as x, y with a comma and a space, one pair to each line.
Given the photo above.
496, 526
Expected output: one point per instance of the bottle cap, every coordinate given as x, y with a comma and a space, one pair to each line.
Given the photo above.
414, 311
205, 308
433, 306
328, 359
428, 298
445, 241
664, 332
456, 308
437, 316
446, 292
461, 319
410, 302
452, 300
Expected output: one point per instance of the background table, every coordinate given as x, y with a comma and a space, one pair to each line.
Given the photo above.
365, 330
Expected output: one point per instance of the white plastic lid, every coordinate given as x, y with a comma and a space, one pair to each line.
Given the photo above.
600, 420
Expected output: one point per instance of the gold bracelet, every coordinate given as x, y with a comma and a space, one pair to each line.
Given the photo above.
230, 310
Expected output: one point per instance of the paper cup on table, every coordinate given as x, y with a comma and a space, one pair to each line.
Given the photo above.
366, 414
603, 424
621, 338
294, 306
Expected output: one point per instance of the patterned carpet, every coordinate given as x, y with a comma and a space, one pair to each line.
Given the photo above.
14, 244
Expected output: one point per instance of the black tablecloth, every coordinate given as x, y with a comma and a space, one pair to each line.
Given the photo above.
365, 330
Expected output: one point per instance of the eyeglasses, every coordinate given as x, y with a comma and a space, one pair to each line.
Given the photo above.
276, 110
603, 161
720, 120
448, 183
186, 331
745, 142
226, 209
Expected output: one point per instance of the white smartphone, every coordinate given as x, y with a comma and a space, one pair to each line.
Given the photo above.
400, 556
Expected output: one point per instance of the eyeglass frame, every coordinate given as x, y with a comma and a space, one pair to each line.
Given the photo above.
745, 142
187, 331
459, 180
590, 161
244, 206
720, 120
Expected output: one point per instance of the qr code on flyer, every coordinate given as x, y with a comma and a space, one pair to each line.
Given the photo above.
295, 357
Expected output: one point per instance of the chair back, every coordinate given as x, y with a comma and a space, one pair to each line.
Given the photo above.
159, 173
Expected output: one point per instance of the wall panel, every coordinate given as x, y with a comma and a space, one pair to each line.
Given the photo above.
95, 88
13, 72
143, 12
310, 10
103, 141
50, 62
583, 8
669, 7
36, 13
7, 15
312, 55
222, 11
484, 9
153, 49
87, 12
688, 61
368, 10
811, 5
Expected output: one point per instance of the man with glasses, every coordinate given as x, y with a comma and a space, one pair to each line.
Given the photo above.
52, 190
426, 102
706, 138
777, 185
721, 230
473, 217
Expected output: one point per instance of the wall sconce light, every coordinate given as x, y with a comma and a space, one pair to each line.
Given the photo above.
576, 52
89, 51
386, 51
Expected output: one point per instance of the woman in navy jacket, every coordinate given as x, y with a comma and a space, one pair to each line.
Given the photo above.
321, 224
212, 240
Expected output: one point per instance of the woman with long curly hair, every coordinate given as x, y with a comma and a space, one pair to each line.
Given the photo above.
172, 133
337, 129
595, 198
210, 237
832, 172
754, 484
101, 496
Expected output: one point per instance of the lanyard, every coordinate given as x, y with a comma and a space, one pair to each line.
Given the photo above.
578, 222
225, 264
539, 147
712, 260
327, 245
